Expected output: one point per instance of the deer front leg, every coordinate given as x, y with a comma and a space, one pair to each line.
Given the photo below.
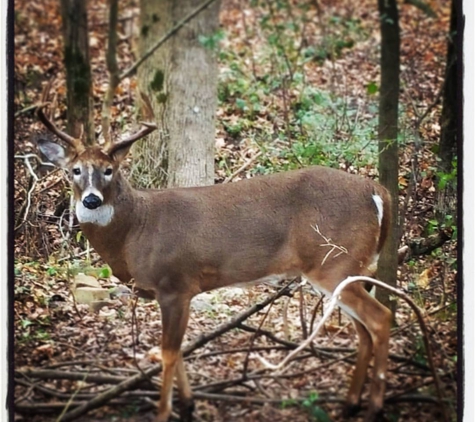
175, 311
184, 390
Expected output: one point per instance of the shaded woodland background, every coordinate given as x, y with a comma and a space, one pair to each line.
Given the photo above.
298, 85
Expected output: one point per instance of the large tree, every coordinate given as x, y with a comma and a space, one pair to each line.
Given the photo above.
180, 78
446, 194
387, 134
78, 69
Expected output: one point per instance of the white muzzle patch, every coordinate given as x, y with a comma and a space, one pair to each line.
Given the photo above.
102, 216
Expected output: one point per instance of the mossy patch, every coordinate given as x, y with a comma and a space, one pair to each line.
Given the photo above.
80, 75
158, 80
162, 98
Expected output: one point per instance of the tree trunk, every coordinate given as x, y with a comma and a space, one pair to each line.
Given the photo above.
446, 201
387, 134
181, 80
78, 69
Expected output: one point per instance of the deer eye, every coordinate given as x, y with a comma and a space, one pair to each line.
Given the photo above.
108, 172
76, 171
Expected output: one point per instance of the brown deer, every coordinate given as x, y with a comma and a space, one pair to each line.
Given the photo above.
321, 223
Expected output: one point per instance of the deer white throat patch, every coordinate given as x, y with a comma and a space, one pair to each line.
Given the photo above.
101, 216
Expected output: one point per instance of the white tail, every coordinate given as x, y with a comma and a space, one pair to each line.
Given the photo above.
322, 223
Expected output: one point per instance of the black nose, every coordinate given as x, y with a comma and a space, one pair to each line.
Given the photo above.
92, 201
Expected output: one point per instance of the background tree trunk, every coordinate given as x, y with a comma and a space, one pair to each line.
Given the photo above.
181, 80
446, 201
78, 69
387, 134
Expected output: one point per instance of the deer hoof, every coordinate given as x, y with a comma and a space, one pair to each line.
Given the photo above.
374, 416
351, 409
186, 411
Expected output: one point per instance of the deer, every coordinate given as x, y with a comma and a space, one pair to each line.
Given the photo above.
176, 243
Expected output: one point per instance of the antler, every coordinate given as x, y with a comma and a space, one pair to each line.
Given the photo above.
148, 128
72, 142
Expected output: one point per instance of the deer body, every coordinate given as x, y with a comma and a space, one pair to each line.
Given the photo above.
238, 233
318, 222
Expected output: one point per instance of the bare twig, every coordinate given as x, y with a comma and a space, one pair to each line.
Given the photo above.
25, 110
26, 159
253, 338
243, 167
302, 313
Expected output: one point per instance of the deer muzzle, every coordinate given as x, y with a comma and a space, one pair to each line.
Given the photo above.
92, 201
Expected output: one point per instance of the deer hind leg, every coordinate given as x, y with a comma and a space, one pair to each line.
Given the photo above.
175, 311
365, 351
376, 319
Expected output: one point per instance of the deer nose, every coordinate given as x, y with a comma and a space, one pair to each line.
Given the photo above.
92, 201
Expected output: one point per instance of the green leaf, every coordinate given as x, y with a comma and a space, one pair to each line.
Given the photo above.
320, 415
372, 88
105, 272
241, 103
25, 323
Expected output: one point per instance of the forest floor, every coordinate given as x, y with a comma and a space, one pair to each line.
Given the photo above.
290, 95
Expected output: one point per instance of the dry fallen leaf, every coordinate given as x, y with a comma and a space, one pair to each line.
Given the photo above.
424, 278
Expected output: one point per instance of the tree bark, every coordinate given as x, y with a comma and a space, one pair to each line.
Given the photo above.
78, 69
387, 135
112, 69
446, 195
180, 78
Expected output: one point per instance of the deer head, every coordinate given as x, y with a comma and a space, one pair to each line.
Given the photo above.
93, 169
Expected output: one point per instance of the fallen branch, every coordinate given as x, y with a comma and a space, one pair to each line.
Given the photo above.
423, 246
257, 400
73, 376
233, 351
287, 343
53, 407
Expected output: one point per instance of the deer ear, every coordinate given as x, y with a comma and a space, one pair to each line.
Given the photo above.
55, 153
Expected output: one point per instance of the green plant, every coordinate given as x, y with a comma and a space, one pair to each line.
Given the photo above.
315, 412
420, 354
212, 42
